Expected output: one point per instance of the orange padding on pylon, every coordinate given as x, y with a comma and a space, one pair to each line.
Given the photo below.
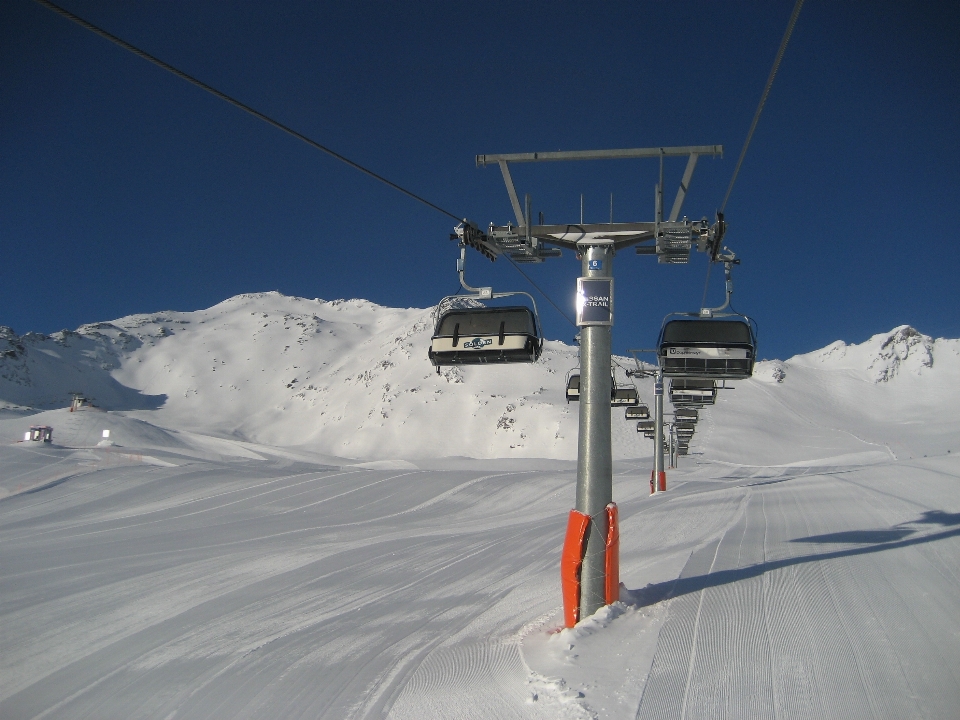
612, 558
662, 482
570, 563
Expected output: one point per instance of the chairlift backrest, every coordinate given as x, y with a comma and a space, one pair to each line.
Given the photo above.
718, 332
487, 321
694, 385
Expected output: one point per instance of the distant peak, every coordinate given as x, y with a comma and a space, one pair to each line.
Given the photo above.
902, 348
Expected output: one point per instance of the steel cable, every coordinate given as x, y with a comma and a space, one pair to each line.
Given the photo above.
236, 103
763, 98
753, 125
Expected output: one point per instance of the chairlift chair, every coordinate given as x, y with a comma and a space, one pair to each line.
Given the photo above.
686, 415
715, 348
619, 396
637, 412
646, 425
711, 343
689, 391
475, 334
478, 336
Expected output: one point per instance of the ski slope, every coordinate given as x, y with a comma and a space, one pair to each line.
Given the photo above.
805, 561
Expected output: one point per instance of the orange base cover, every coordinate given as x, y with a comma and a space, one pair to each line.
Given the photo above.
570, 563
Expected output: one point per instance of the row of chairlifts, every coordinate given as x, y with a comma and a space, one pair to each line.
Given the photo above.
694, 349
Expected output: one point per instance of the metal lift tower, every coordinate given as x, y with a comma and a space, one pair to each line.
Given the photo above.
668, 238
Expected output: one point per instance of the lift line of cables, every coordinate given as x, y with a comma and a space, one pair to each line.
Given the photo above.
270, 121
753, 126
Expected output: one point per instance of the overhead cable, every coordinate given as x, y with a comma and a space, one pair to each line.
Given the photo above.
753, 125
763, 98
236, 103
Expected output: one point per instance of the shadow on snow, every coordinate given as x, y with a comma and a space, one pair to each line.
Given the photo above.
868, 541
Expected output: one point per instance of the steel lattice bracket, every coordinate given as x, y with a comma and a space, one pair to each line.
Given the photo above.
668, 237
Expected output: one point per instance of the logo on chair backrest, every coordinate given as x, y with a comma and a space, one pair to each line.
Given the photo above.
477, 343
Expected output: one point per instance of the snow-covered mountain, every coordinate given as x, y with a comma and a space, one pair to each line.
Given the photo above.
351, 379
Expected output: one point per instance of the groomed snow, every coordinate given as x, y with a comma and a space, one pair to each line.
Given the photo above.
362, 550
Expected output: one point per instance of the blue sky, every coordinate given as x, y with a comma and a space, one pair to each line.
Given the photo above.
124, 189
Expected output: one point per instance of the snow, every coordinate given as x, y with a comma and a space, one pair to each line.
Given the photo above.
283, 527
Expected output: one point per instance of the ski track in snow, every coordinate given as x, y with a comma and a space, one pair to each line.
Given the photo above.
767, 629
251, 590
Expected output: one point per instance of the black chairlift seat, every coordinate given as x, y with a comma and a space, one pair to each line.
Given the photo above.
682, 450
686, 415
637, 412
716, 348
625, 396
478, 336
646, 425
573, 388
693, 392
650, 434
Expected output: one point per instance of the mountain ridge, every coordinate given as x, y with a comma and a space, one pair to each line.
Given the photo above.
350, 378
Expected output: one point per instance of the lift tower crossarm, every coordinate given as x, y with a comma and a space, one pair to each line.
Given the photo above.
673, 238
483, 160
